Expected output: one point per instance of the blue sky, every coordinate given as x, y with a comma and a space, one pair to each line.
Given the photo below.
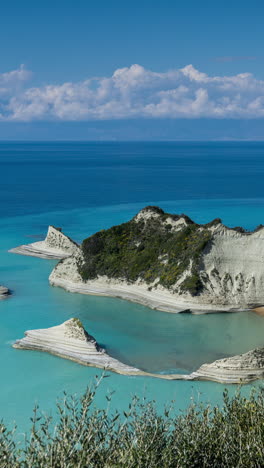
108, 70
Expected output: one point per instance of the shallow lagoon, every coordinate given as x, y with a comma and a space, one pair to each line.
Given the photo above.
149, 339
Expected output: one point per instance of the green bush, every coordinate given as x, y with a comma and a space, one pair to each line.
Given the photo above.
147, 251
202, 436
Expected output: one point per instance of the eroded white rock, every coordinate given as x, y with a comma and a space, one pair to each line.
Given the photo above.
231, 270
236, 369
56, 246
4, 292
71, 341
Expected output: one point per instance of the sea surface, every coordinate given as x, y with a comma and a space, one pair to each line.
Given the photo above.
85, 187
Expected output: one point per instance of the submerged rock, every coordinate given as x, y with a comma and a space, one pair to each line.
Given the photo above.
56, 246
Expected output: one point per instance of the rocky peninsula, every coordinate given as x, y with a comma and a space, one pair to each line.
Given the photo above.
170, 263
71, 341
236, 369
55, 246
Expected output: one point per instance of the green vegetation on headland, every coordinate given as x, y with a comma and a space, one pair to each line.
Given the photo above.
151, 250
202, 436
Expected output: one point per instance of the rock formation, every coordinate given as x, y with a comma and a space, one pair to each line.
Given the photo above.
71, 341
4, 292
236, 369
56, 246
170, 263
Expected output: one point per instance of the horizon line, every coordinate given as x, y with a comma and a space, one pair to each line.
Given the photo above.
168, 140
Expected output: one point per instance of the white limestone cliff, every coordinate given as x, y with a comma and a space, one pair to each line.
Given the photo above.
236, 369
231, 270
55, 246
71, 341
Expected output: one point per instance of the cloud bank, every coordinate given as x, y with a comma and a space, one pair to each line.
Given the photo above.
133, 92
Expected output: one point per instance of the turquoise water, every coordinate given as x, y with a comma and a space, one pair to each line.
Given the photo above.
87, 187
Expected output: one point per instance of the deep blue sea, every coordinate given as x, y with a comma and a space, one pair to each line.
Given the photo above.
85, 187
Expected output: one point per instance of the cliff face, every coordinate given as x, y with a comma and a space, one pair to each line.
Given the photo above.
55, 246
170, 256
241, 368
71, 341
232, 269
55, 239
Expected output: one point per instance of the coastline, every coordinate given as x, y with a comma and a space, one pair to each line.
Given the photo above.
33, 298
159, 300
56, 246
259, 311
40, 249
71, 341
112, 367
201, 268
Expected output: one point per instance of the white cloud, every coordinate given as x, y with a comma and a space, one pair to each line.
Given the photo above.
15, 76
133, 92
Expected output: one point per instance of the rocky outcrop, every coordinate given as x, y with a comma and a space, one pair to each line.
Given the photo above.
170, 263
236, 369
56, 246
66, 275
71, 341
4, 292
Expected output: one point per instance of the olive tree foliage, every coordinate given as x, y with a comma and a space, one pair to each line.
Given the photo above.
84, 436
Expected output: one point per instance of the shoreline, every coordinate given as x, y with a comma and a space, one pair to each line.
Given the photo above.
111, 368
40, 250
71, 341
56, 246
157, 300
259, 311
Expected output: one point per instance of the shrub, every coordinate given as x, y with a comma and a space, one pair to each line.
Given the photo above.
202, 436
134, 250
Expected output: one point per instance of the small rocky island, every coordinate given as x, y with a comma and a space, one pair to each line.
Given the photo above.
170, 263
71, 341
4, 292
56, 245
